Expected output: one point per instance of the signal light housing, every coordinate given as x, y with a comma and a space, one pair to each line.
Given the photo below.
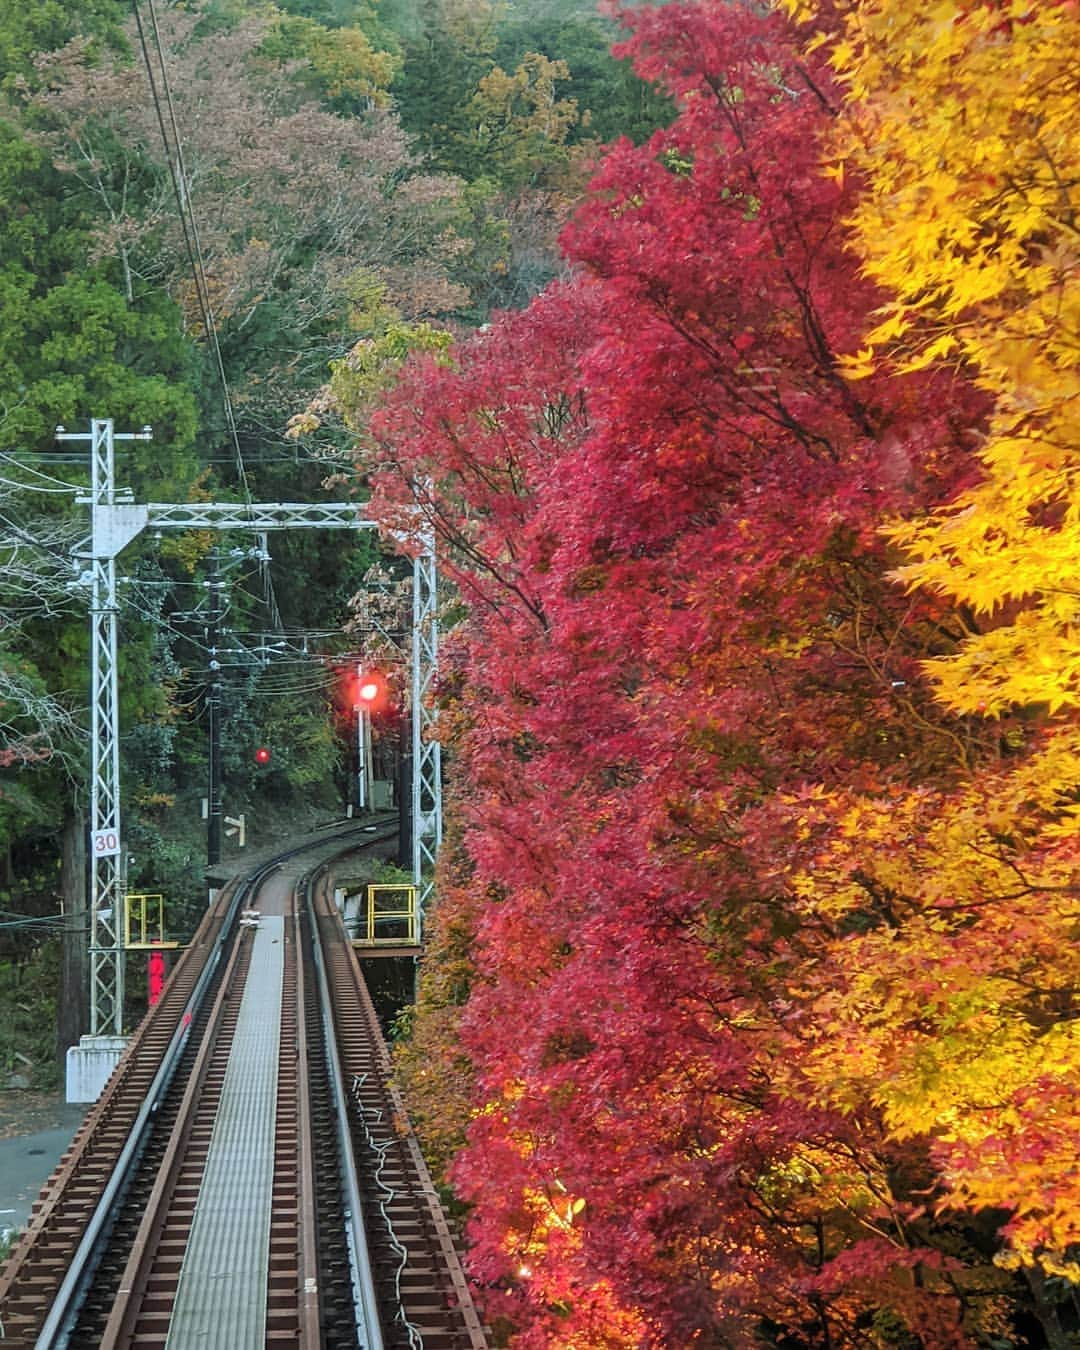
370, 691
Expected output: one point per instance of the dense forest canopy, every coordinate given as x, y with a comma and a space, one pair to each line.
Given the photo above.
736, 374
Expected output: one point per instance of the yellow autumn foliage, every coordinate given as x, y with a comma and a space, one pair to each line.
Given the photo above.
956, 914
962, 119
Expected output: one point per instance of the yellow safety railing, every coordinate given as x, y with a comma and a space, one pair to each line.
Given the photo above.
144, 922
392, 918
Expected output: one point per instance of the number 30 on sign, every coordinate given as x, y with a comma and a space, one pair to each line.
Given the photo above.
104, 843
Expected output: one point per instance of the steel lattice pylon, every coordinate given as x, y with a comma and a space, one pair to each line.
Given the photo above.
426, 750
113, 526
107, 868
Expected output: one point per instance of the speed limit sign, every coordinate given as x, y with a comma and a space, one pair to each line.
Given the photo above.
104, 843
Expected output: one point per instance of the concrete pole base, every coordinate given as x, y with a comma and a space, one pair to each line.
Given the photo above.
90, 1065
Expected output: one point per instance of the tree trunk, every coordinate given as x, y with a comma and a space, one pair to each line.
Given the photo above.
73, 1010
1046, 1311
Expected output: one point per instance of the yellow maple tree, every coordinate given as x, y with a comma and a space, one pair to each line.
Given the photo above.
949, 996
962, 119
951, 1001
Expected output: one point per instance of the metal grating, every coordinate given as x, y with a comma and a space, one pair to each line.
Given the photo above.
221, 1299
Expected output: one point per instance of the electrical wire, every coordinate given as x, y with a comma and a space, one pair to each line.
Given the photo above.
285, 686
31, 487
27, 538
55, 920
174, 154
48, 477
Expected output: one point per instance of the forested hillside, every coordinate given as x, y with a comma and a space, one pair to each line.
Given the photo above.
326, 209
738, 380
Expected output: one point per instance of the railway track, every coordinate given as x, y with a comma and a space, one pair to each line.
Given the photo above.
248, 1177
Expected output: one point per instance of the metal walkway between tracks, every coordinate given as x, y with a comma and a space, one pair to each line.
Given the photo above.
221, 1299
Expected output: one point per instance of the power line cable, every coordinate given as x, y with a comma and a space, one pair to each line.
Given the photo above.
61, 486
179, 187
54, 920
184, 203
32, 487
27, 538
199, 262
174, 154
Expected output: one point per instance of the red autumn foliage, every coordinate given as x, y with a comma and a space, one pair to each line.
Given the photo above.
682, 662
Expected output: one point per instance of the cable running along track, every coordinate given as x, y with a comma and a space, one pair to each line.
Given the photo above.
248, 1177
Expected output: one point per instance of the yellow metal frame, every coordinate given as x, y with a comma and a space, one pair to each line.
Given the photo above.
150, 926
375, 913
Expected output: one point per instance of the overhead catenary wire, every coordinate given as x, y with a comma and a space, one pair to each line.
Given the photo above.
32, 487
46, 921
69, 491
270, 685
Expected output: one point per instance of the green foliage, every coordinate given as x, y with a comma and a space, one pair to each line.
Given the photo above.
168, 862
443, 62
339, 65
332, 13
28, 990
297, 727
517, 125
371, 366
72, 345
612, 100
385, 873
19, 806
45, 25
453, 47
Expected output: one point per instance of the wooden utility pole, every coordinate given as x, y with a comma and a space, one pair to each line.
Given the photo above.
73, 1011
213, 713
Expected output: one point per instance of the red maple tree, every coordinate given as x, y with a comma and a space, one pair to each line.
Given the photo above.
684, 672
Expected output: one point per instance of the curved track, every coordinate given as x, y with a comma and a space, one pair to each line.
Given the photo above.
248, 1176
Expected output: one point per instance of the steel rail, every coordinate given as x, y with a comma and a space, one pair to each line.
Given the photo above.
107, 1232
125, 1306
368, 1325
295, 1284
430, 1297
309, 1318
57, 1325
56, 1225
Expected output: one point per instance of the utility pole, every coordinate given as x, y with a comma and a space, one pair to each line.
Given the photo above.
110, 529
426, 752
362, 755
213, 713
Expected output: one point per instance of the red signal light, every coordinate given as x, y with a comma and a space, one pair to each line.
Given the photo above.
262, 755
370, 690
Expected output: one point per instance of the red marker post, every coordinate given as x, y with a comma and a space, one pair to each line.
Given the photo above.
155, 975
